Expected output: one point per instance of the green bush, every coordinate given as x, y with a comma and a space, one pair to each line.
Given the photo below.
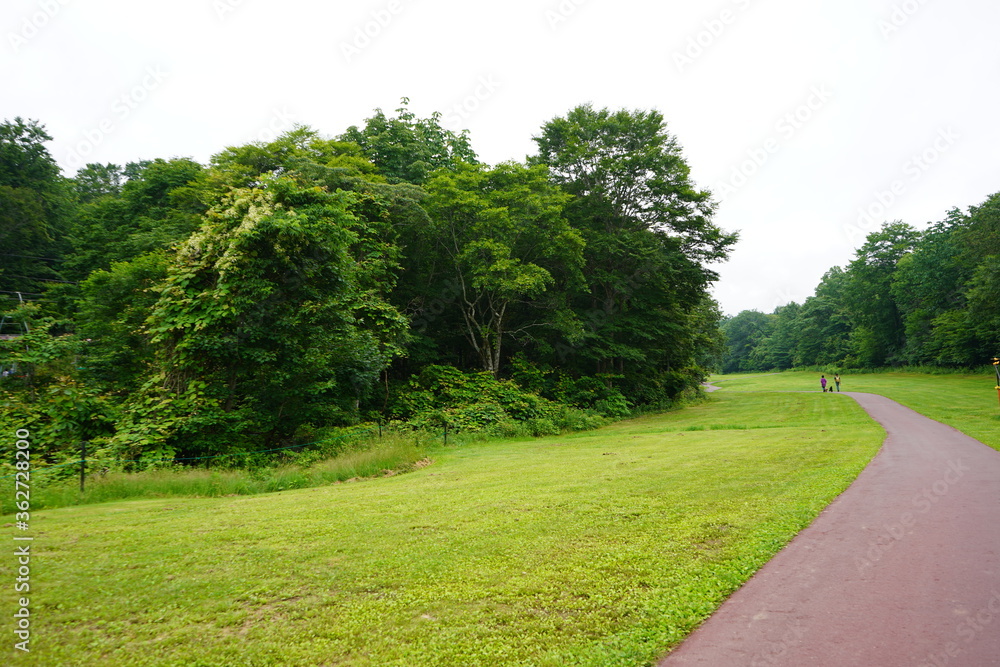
479, 402
594, 393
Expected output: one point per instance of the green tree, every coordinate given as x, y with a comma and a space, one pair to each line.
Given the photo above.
40, 394
409, 149
879, 331
982, 319
825, 326
980, 252
745, 333
929, 290
501, 235
160, 205
271, 317
35, 206
649, 239
777, 350
98, 180
110, 318
981, 233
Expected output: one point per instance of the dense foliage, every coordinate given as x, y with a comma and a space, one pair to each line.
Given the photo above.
917, 298
167, 310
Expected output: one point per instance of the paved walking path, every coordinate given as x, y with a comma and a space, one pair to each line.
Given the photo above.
902, 569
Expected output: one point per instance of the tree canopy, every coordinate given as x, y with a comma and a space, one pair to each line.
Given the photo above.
908, 297
292, 286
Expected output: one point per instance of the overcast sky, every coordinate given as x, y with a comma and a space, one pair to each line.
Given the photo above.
813, 122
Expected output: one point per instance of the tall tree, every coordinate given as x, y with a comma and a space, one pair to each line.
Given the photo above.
271, 317
407, 149
928, 288
981, 248
825, 325
35, 206
879, 332
648, 233
504, 240
159, 205
777, 350
98, 180
745, 333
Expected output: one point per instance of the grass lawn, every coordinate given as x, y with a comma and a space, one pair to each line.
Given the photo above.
600, 548
966, 402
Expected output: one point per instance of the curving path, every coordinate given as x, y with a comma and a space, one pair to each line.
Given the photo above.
902, 569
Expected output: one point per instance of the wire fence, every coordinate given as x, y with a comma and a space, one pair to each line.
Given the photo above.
174, 459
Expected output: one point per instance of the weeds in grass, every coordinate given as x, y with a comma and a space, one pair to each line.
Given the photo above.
346, 454
394, 454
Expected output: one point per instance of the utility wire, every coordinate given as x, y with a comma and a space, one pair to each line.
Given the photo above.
47, 259
197, 458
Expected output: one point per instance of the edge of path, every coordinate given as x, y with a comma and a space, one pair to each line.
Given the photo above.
903, 568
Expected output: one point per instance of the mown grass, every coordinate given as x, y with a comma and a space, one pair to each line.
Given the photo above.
964, 401
602, 548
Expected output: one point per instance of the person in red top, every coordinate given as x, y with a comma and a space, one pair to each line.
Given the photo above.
822, 382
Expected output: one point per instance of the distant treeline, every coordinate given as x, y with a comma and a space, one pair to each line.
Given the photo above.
169, 308
909, 297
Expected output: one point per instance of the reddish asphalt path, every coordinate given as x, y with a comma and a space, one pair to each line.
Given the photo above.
902, 569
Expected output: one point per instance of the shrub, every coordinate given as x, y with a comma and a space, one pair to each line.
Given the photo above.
477, 401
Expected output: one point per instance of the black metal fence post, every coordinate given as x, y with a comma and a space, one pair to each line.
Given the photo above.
83, 464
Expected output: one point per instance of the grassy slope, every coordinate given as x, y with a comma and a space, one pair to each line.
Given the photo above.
602, 548
966, 402
393, 453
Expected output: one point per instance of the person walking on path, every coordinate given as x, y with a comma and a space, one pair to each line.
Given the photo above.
836, 379
822, 382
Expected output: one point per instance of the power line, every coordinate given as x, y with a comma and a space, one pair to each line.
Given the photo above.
202, 458
47, 259
44, 280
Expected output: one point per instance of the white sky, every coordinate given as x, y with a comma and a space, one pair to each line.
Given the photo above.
886, 80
